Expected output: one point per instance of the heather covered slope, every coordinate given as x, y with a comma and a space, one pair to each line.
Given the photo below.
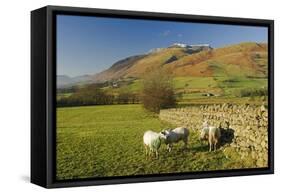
135, 66
244, 59
248, 59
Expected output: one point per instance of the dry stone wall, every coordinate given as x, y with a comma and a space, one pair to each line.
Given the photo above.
245, 126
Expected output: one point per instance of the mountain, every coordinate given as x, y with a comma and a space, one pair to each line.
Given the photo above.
82, 78
67, 81
191, 49
63, 80
244, 59
118, 69
248, 59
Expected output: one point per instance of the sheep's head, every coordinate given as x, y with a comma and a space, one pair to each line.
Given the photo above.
166, 134
166, 131
162, 135
204, 133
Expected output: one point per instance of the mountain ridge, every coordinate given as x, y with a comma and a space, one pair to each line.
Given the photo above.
247, 59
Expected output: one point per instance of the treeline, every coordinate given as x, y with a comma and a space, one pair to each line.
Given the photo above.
251, 92
94, 95
74, 89
157, 93
71, 89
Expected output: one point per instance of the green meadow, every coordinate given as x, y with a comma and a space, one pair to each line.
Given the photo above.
101, 141
106, 140
192, 90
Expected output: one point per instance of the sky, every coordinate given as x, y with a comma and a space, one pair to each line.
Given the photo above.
88, 45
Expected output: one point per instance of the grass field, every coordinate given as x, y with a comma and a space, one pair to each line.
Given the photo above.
193, 90
227, 84
63, 95
100, 141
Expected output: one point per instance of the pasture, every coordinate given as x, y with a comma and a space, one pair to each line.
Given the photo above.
191, 90
101, 141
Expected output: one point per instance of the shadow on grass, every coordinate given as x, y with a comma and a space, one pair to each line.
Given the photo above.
227, 136
200, 148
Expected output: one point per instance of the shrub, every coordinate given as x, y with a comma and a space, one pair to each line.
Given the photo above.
158, 91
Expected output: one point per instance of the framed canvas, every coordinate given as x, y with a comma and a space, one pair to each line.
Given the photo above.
126, 96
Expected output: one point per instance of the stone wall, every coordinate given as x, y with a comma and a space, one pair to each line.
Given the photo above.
245, 127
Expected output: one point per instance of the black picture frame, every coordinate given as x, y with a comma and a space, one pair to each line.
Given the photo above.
43, 91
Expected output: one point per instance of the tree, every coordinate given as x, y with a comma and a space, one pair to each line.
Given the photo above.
158, 91
91, 95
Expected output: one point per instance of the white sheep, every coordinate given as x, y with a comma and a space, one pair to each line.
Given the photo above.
176, 135
212, 134
152, 142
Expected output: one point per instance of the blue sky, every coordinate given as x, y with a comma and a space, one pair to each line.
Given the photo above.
88, 45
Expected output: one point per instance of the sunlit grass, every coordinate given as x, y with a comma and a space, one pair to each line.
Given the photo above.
99, 141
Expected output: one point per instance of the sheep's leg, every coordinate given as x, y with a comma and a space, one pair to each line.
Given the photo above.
156, 153
211, 142
145, 149
149, 153
169, 147
216, 145
211, 145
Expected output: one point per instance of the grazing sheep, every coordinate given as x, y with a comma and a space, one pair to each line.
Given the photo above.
212, 134
152, 142
176, 135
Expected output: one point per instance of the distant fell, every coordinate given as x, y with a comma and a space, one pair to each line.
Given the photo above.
244, 59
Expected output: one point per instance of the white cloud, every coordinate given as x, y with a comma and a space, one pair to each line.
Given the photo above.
166, 33
179, 35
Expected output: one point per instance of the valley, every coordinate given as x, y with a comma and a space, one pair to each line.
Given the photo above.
203, 75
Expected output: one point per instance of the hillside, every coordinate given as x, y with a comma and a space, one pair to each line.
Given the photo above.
118, 69
248, 59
